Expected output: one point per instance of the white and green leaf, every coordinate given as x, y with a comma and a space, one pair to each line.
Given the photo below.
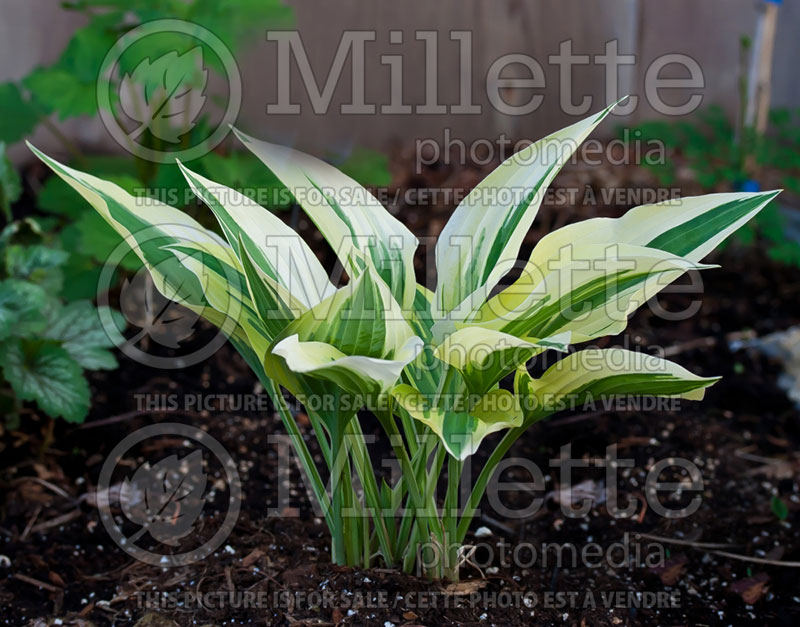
596, 374
485, 356
357, 339
368, 377
352, 220
275, 249
687, 227
148, 226
156, 232
481, 241
461, 432
586, 290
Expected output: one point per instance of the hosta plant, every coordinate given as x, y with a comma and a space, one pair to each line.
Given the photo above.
439, 369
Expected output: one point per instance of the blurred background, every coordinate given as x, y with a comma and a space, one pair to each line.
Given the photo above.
35, 33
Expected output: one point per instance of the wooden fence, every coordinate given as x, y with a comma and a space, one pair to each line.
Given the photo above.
707, 31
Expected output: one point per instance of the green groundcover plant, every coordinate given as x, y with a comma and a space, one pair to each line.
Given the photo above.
45, 344
427, 364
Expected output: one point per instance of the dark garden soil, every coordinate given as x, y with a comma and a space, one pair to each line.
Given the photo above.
58, 565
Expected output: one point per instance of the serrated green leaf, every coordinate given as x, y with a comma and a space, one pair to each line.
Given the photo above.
42, 371
60, 91
81, 278
77, 326
85, 52
21, 308
92, 236
37, 264
55, 196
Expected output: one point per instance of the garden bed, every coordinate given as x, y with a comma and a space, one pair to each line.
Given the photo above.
743, 436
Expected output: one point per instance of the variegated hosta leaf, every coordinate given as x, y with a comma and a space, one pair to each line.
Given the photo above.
155, 232
481, 241
358, 374
595, 374
426, 370
147, 225
586, 290
484, 356
462, 432
276, 250
352, 220
688, 227
225, 287
357, 339
275, 306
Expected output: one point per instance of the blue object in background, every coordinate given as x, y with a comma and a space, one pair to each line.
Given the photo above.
749, 186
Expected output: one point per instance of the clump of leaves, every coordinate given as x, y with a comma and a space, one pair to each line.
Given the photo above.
68, 89
718, 155
432, 366
45, 345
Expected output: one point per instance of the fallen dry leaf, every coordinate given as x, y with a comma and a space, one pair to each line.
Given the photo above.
465, 587
672, 570
752, 588
252, 557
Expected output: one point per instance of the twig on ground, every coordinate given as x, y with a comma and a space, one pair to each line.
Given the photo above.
708, 342
47, 484
33, 519
713, 547
35, 582
133, 414
58, 520
757, 560
692, 543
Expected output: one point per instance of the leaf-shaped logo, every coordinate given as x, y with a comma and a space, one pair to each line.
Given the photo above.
166, 498
165, 95
165, 321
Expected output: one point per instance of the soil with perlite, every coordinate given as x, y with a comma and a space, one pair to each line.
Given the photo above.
724, 564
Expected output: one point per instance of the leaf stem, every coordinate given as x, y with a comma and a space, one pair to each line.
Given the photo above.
306, 460
450, 518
